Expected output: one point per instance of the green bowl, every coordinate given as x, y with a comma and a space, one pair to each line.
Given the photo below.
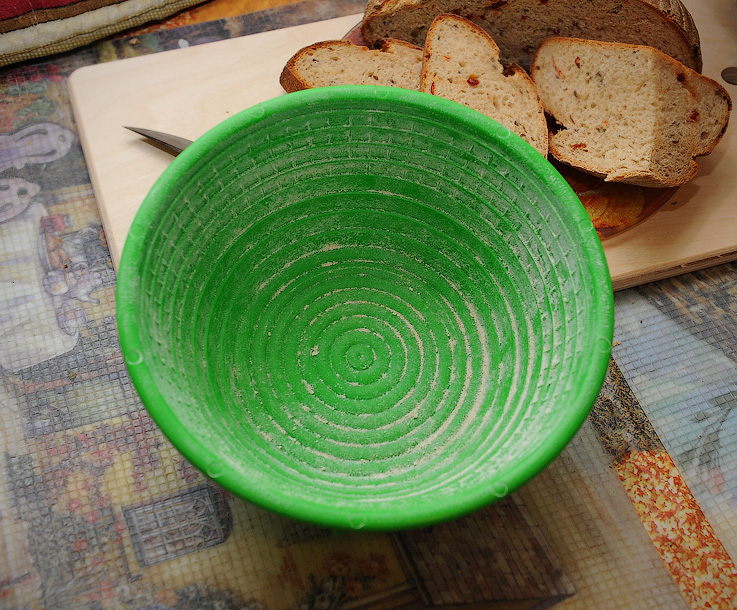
365, 307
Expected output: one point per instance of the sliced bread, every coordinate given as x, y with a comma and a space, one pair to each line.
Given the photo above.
519, 26
462, 64
340, 62
628, 113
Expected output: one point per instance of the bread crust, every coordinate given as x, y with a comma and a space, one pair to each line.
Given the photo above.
518, 26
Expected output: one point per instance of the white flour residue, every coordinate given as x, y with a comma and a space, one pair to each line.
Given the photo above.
479, 400
331, 247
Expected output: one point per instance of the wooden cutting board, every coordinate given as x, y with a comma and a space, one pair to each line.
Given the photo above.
189, 90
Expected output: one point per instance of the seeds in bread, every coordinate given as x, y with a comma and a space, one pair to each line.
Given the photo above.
462, 64
628, 113
519, 26
340, 62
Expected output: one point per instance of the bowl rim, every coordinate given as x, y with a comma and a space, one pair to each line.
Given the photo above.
366, 517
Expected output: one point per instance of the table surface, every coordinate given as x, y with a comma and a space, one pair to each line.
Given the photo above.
98, 511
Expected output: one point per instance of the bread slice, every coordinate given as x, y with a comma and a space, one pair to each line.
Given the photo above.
519, 26
628, 113
462, 64
340, 62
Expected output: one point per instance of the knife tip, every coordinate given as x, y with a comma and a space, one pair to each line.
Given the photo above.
137, 130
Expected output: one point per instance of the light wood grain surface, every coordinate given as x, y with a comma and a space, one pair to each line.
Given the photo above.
189, 90
185, 92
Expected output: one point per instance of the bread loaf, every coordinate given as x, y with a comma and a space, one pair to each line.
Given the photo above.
628, 113
461, 63
519, 26
340, 62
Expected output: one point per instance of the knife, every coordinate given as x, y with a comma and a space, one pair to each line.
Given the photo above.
165, 141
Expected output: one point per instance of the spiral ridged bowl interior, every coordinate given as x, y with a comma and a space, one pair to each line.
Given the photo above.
365, 307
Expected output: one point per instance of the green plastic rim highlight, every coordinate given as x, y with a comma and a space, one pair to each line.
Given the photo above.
365, 308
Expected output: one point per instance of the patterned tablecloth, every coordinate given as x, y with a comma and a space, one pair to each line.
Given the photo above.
98, 511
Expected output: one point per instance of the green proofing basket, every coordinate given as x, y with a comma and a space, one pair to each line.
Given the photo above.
365, 307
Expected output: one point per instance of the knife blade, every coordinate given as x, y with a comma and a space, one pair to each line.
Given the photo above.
165, 141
